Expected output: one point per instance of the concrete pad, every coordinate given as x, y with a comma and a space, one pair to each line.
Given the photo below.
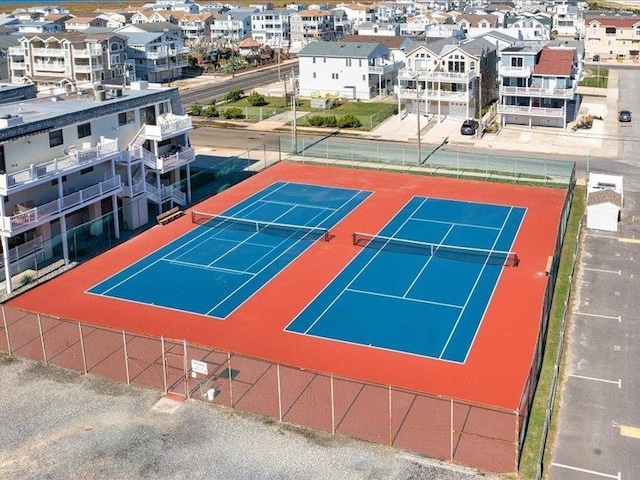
168, 404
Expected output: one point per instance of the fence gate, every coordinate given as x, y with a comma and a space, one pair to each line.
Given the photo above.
175, 367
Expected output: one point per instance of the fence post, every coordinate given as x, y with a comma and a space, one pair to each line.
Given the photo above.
390, 420
452, 432
6, 329
230, 382
84, 357
185, 368
164, 364
44, 350
126, 356
279, 392
333, 410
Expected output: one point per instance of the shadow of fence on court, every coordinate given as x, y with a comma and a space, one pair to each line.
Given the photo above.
479, 436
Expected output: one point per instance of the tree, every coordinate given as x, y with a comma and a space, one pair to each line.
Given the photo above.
256, 99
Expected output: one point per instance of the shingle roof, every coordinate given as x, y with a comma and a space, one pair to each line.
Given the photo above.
391, 41
135, 38
620, 22
340, 49
555, 62
606, 195
157, 26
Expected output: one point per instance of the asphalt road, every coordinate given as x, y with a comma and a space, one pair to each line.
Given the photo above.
245, 81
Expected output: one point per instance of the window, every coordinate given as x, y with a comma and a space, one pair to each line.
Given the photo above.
314, 59
2, 161
334, 76
610, 30
517, 61
126, 117
113, 74
86, 170
115, 59
55, 138
314, 74
84, 130
348, 62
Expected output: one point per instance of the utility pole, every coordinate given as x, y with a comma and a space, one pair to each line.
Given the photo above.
418, 105
294, 125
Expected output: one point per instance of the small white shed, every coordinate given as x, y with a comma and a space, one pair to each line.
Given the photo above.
603, 210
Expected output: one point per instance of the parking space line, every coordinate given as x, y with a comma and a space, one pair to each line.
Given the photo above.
627, 431
601, 236
584, 470
629, 240
615, 382
618, 272
619, 317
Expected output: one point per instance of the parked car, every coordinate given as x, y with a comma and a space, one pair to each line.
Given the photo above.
624, 116
596, 58
469, 127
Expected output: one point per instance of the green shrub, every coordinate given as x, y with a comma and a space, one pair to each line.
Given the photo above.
212, 102
233, 113
195, 110
349, 121
210, 111
234, 95
331, 121
256, 99
315, 120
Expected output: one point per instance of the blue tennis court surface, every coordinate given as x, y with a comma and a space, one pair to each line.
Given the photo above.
216, 267
417, 303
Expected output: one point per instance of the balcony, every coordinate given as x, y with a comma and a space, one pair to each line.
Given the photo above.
384, 69
88, 68
166, 193
165, 163
540, 92
447, 95
46, 212
17, 65
48, 52
519, 72
166, 66
533, 111
16, 51
167, 127
450, 77
131, 191
49, 67
81, 158
86, 53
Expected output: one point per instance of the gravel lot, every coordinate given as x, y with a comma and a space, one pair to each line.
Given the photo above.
60, 424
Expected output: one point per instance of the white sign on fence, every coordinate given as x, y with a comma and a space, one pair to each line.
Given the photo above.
199, 367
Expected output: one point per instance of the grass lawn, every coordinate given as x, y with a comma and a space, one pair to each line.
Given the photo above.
273, 102
595, 77
361, 108
531, 449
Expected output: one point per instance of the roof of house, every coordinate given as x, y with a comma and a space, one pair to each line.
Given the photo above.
157, 26
615, 22
82, 20
249, 43
340, 49
314, 13
475, 20
391, 41
141, 38
542, 19
555, 61
606, 195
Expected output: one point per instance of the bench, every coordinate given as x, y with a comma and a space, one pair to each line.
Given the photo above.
169, 215
547, 268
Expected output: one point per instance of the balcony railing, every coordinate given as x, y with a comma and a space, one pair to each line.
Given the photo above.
35, 172
568, 92
167, 66
48, 52
533, 111
166, 163
49, 67
436, 76
136, 188
509, 71
17, 65
168, 127
383, 69
166, 192
88, 68
84, 53
46, 211
16, 51
410, 94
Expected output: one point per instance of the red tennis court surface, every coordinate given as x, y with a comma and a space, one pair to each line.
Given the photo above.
485, 398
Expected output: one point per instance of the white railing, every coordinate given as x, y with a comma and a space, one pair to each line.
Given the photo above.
509, 71
167, 127
48, 52
37, 171
436, 76
383, 69
168, 162
167, 192
42, 212
87, 52
157, 54
49, 67
87, 68
16, 51
535, 111
23, 257
568, 92
167, 66
410, 94
17, 65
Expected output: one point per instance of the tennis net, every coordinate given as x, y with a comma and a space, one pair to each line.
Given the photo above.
466, 254
300, 232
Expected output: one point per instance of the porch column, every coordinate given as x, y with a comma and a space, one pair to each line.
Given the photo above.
7, 269
65, 240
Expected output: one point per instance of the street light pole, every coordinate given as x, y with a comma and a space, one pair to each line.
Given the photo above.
294, 124
418, 105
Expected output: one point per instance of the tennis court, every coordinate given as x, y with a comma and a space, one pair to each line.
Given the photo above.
216, 267
423, 283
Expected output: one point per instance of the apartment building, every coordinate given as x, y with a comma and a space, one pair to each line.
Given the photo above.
350, 70
271, 27
233, 25
311, 25
449, 78
156, 49
72, 161
538, 85
611, 36
196, 26
358, 13
78, 24
65, 62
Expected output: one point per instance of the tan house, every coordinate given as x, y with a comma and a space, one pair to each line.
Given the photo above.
612, 37
78, 24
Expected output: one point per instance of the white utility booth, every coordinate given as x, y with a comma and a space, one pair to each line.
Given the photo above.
605, 199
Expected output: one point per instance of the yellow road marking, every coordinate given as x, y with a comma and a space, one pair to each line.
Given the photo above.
629, 240
633, 432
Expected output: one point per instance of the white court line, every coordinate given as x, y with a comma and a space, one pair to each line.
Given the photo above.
584, 470
277, 202
396, 297
207, 267
615, 382
617, 272
454, 224
619, 317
